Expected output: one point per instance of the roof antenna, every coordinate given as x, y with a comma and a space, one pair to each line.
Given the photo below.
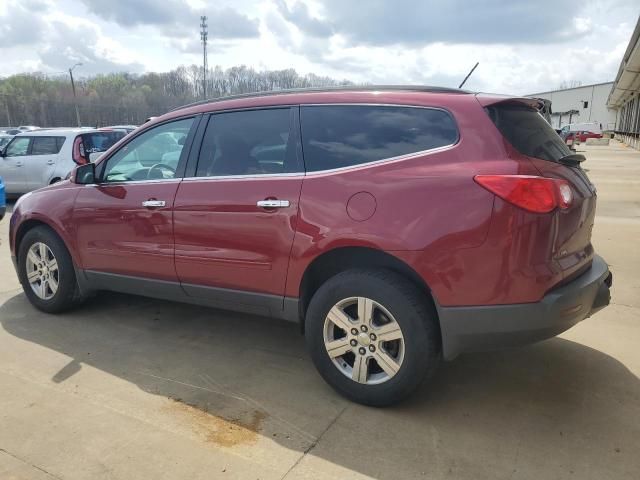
468, 75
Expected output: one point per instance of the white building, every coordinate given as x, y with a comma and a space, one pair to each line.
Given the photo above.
587, 103
625, 94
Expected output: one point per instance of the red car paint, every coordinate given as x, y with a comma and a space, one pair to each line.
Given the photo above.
468, 245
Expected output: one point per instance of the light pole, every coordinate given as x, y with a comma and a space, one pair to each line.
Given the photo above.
204, 34
73, 87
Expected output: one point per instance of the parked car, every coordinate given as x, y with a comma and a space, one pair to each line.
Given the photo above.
127, 128
12, 131
397, 226
32, 160
4, 140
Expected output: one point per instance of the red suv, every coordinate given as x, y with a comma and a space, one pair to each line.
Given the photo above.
398, 226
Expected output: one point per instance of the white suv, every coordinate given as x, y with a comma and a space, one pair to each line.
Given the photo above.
38, 158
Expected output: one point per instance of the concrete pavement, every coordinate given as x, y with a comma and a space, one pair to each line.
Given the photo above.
132, 388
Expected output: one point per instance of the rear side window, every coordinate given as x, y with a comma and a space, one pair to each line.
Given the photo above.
46, 145
526, 130
100, 141
252, 142
335, 136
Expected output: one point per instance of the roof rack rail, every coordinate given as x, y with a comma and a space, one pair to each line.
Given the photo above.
347, 88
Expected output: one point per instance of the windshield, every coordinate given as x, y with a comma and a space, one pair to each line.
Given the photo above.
527, 131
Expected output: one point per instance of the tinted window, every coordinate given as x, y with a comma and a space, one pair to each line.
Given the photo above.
100, 141
341, 136
46, 145
153, 155
248, 143
18, 147
528, 132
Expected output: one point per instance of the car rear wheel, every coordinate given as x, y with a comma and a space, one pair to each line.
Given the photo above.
373, 335
46, 271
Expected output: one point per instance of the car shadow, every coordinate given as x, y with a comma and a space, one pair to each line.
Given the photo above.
554, 406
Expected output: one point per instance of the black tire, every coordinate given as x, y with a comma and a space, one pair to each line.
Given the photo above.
67, 295
413, 311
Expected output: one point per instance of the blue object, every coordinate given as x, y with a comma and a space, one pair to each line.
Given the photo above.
3, 200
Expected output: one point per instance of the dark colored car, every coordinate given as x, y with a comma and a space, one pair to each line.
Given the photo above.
398, 226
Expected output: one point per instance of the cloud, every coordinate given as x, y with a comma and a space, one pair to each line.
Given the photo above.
18, 23
71, 43
419, 22
300, 16
176, 17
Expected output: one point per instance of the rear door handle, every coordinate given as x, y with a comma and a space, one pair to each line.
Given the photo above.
273, 203
153, 203
18, 164
50, 162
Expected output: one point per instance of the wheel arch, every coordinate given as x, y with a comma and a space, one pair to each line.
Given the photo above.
340, 259
32, 223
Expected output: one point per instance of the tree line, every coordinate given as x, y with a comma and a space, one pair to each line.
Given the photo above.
124, 98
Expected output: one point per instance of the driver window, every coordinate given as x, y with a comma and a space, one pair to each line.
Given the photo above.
154, 155
18, 147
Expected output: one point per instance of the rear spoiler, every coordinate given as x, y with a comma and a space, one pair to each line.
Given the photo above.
487, 99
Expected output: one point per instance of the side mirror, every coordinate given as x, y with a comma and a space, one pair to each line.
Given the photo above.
85, 174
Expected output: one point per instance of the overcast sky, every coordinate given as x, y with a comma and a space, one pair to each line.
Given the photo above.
522, 46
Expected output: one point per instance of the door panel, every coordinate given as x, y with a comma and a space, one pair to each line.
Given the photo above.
125, 222
12, 168
223, 239
41, 163
116, 234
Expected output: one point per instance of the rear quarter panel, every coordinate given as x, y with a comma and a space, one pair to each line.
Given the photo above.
429, 212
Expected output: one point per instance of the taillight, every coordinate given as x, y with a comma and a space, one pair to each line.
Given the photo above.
534, 194
77, 152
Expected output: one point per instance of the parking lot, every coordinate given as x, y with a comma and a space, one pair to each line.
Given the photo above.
127, 387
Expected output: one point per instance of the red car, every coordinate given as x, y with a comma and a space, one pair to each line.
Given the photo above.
397, 226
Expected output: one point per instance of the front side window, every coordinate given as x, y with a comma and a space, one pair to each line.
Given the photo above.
335, 136
153, 155
252, 142
46, 145
18, 147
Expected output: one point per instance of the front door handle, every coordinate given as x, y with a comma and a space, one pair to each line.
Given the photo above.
18, 164
153, 203
273, 203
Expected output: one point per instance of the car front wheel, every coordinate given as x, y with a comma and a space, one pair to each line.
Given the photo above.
373, 335
46, 271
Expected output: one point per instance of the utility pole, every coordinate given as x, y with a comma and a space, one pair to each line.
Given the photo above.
468, 75
6, 106
204, 33
75, 98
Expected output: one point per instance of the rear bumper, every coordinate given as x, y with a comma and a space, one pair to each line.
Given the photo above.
467, 329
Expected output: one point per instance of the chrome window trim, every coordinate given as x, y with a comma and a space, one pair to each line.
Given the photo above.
135, 182
248, 176
399, 158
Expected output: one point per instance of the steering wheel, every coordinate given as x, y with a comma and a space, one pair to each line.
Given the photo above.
159, 167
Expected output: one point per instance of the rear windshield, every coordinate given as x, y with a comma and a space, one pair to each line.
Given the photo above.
100, 141
527, 131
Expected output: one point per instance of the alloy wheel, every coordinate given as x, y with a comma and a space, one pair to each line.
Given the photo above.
364, 340
42, 271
